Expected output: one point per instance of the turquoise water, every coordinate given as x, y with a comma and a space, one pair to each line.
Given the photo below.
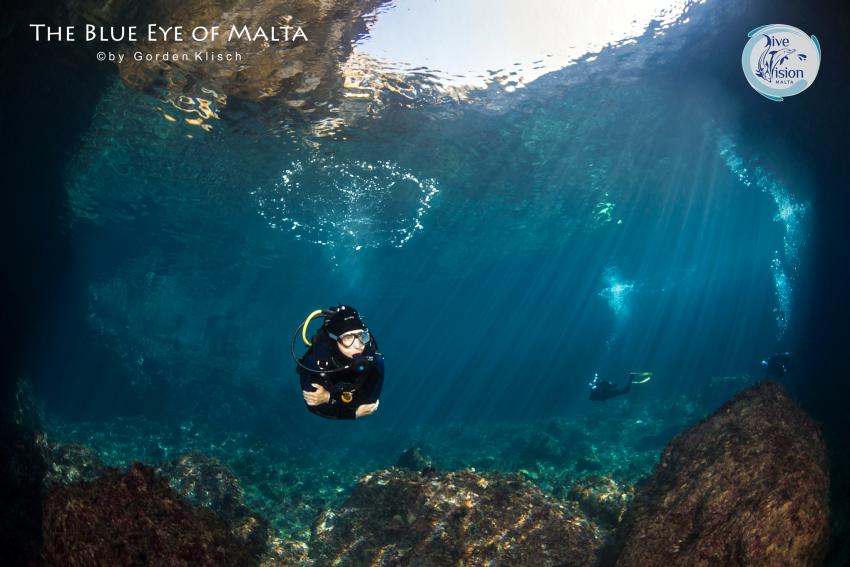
496, 254
504, 246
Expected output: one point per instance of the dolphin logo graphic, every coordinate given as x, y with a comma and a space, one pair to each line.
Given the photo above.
770, 60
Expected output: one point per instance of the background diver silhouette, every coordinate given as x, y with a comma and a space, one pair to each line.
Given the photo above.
604, 390
778, 365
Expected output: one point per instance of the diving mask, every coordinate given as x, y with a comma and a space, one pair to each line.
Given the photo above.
347, 339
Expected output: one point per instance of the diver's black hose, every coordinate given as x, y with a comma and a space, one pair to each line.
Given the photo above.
307, 368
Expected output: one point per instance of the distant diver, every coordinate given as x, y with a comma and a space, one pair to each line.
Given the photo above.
604, 390
777, 365
342, 373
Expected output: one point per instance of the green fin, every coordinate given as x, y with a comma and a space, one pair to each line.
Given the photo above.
645, 376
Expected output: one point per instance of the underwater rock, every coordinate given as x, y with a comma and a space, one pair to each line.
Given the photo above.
537, 447
28, 411
602, 499
133, 518
21, 471
415, 460
398, 517
746, 486
295, 57
288, 66
68, 462
206, 481
286, 552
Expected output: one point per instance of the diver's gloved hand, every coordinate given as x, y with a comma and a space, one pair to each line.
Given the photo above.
318, 397
366, 409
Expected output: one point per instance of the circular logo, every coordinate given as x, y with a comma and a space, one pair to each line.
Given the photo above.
780, 60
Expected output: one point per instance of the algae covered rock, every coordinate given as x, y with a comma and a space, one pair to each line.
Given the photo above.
133, 518
68, 462
416, 460
602, 498
746, 486
206, 481
399, 517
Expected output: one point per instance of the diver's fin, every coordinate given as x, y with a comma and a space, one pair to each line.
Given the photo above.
640, 377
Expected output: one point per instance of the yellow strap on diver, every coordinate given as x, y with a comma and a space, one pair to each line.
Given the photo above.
306, 323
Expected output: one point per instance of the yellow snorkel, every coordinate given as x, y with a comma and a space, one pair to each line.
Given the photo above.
303, 328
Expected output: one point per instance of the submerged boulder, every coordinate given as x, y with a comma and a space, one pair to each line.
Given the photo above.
602, 498
68, 462
399, 517
746, 486
206, 481
416, 460
133, 518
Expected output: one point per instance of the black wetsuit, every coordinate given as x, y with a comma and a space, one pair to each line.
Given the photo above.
364, 377
605, 390
778, 365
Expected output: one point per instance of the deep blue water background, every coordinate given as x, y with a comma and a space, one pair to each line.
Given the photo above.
497, 308
142, 280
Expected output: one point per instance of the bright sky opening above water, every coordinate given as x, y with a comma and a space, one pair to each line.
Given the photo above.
468, 40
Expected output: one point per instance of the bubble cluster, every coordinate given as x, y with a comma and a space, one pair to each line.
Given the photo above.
783, 294
616, 292
349, 204
790, 212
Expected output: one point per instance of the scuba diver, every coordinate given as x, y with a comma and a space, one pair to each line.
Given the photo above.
777, 365
605, 390
342, 372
